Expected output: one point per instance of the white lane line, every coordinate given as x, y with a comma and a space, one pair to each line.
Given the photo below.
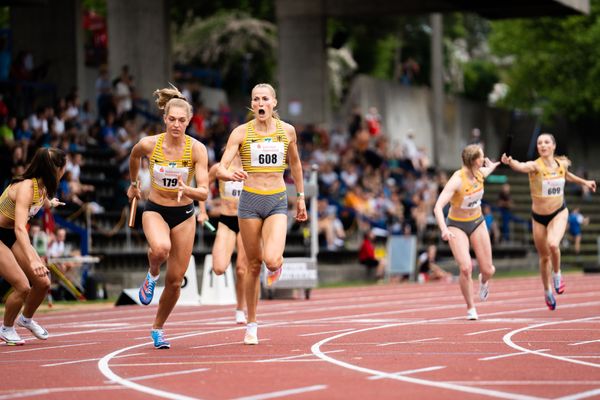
105, 369
282, 393
411, 371
87, 360
586, 342
71, 389
582, 356
409, 341
508, 340
223, 344
488, 331
581, 395
189, 371
53, 347
511, 355
526, 383
294, 357
316, 349
323, 333
105, 325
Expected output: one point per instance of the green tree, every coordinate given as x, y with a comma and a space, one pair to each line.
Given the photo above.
237, 45
553, 64
480, 76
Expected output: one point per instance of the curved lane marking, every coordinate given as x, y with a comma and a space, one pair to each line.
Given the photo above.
508, 340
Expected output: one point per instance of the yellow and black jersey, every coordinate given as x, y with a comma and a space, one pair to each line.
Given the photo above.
164, 173
264, 153
547, 183
7, 206
469, 195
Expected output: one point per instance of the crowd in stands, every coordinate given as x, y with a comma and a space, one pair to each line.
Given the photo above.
365, 180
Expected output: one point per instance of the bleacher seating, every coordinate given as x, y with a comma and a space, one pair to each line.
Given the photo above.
123, 251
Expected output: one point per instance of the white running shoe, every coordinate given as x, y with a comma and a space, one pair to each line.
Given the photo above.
250, 339
472, 314
484, 289
240, 317
251, 336
10, 336
34, 327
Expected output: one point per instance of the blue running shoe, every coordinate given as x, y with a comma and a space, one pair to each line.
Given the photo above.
550, 301
147, 290
159, 339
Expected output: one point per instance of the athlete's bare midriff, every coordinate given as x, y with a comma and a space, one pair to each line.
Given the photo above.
265, 181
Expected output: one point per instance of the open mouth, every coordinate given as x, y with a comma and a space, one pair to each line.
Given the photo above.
261, 112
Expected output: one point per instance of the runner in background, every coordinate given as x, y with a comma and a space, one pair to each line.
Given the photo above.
547, 175
228, 236
465, 225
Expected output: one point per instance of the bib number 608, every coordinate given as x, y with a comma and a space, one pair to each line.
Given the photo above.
267, 158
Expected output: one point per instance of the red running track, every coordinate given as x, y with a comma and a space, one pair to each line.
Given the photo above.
385, 342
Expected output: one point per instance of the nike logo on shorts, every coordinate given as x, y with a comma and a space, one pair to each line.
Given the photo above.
188, 211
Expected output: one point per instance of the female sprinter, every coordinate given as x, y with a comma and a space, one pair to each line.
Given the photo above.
168, 219
228, 235
20, 265
464, 226
266, 145
547, 175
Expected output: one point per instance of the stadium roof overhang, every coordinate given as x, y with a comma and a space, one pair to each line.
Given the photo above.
492, 9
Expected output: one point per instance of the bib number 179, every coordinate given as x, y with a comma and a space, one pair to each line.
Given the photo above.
169, 182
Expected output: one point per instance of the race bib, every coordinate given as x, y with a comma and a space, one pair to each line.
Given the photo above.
553, 187
167, 176
266, 154
232, 189
472, 201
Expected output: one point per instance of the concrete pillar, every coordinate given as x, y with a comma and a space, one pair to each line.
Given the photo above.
52, 31
437, 86
303, 93
139, 36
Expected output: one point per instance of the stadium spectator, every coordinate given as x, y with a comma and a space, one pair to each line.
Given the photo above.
576, 221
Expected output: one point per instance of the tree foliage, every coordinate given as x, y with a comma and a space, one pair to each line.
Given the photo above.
229, 42
554, 63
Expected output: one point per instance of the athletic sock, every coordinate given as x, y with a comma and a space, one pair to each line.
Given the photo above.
252, 328
26, 320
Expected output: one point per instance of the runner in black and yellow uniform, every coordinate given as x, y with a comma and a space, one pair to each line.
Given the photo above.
465, 225
168, 219
20, 265
547, 176
266, 146
228, 236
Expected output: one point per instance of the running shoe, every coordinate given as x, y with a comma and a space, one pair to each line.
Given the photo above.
159, 339
250, 339
11, 337
484, 289
147, 290
240, 317
559, 283
251, 336
34, 327
472, 314
273, 276
550, 301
